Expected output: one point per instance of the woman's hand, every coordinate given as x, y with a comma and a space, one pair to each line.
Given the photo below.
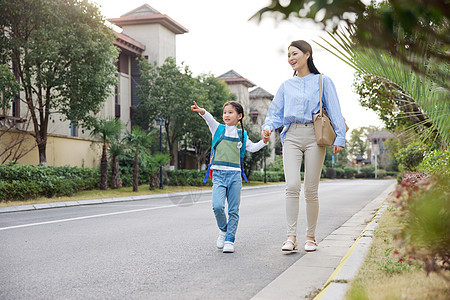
265, 135
198, 109
337, 149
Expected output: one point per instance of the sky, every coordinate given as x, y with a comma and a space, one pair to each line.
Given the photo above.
221, 38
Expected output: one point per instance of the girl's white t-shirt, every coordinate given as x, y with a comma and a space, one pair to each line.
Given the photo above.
230, 131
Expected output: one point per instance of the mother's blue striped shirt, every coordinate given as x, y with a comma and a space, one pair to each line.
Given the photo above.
297, 100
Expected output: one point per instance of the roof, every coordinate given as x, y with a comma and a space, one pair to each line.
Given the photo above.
232, 77
127, 43
382, 134
145, 14
259, 92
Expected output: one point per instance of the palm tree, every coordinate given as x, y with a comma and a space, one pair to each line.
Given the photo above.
138, 141
107, 130
116, 148
420, 97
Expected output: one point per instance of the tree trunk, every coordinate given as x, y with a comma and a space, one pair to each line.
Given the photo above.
116, 182
104, 169
42, 148
135, 172
152, 182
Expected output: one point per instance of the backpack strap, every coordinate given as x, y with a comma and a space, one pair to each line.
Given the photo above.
218, 136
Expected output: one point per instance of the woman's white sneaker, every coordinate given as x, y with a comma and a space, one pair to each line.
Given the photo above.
221, 239
228, 247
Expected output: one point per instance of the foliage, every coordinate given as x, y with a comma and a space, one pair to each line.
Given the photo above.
349, 172
437, 161
253, 159
138, 142
410, 157
385, 99
9, 87
167, 91
422, 25
330, 173
62, 53
424, 204
187, 177
25, 182
420, 97
107, 130
271, 176
276, 165
366, 172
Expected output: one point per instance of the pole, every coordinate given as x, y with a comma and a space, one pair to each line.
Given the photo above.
160, 150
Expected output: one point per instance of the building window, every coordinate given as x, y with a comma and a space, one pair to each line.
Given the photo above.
135, 81
73, 129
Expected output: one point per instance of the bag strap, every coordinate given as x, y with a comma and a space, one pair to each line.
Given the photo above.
320, 94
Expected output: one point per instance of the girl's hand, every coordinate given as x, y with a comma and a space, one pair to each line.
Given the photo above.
198, 109
337, 149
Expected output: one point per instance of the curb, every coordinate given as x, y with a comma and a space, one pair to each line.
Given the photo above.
40, 206
340, 280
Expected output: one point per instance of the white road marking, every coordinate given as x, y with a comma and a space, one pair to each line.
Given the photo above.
114, 213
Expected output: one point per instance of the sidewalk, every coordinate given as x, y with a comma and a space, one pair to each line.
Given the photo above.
336, 261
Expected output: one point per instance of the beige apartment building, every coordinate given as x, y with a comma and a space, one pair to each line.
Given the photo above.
145, 33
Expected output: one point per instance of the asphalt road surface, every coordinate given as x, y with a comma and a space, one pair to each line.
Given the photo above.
161, 248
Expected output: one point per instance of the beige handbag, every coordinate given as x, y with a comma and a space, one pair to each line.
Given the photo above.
325, 134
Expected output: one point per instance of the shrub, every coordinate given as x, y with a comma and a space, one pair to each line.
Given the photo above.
424, 211
25, 182
410, 157
368, 172
330, 173
340, 173
380, 173
271, 176
437, 161
349, 172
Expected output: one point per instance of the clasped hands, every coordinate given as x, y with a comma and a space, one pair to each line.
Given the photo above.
265, 135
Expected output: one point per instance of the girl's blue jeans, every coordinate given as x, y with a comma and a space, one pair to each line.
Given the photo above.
227, 185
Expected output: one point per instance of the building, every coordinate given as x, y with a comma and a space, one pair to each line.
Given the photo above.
145, 33
379, 153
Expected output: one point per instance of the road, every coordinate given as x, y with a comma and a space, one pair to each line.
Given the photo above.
161, 248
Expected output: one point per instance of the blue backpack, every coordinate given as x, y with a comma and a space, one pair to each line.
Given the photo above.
217, 138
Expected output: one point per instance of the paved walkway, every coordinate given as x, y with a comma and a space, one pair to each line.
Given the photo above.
335, 262
329, 269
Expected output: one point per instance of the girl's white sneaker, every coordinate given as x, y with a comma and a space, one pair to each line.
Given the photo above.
221, 239
228, 247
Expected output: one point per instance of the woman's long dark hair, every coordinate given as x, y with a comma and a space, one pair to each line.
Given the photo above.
305, 47
240, 110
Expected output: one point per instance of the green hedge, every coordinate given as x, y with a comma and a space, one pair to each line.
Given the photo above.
271, 176
25, 182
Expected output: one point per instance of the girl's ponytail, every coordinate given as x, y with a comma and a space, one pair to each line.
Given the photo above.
242, 127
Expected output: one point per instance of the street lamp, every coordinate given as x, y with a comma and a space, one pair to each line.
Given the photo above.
160, 122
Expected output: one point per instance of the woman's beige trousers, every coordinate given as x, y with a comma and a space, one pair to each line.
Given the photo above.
300, 143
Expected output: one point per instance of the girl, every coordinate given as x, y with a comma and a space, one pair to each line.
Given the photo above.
225, 161
293, 107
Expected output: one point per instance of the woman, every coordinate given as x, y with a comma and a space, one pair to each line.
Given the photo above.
296, 101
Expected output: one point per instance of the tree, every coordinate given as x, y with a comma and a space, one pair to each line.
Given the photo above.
138, 141
359, 144
108, 130
62, 56
167, 91
116, 148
